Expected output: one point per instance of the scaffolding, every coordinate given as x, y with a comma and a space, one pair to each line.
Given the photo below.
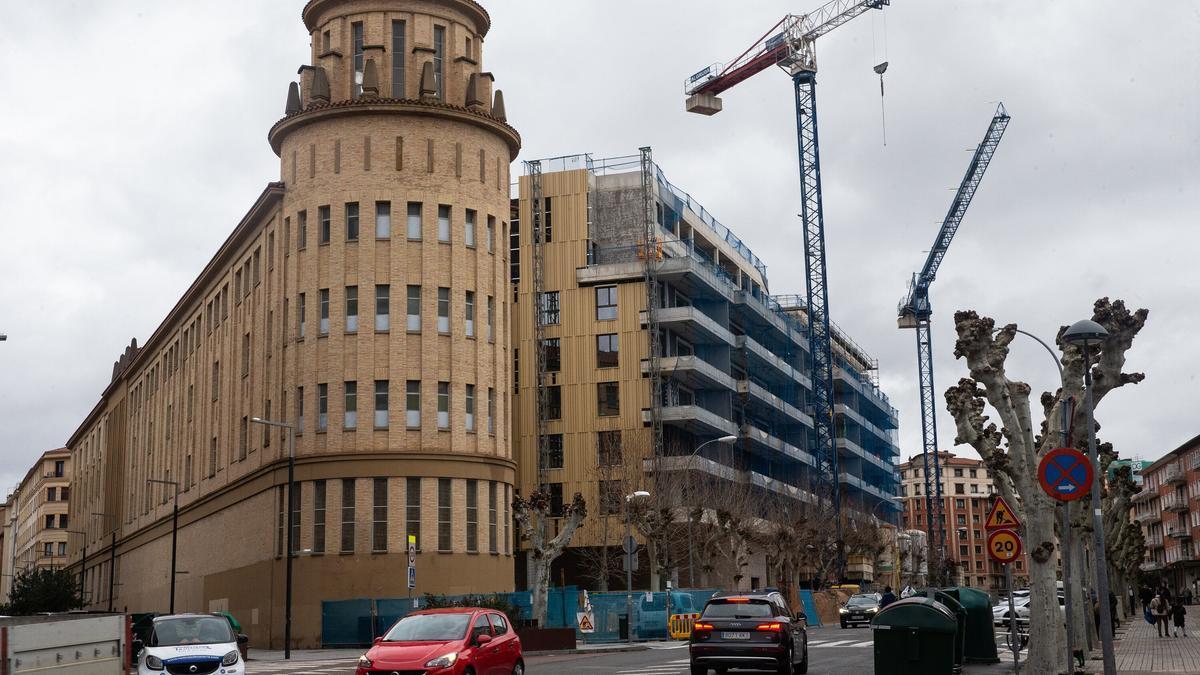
650, 274
534, 172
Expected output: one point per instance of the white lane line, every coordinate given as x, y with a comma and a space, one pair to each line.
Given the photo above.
868, 643
676, 645
837, 643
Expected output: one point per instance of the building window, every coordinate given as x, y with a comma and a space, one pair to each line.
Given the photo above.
299, 410
549, 308
492, 542
297, 498
514, 248
300, 307
350, 416
243, 437
554, 406
412, 509
443, 311
323, 224
960, 489
491, 319
356, 32
322, 407
606, 303
216, 380
414, 220
352, 309
347, 515
472, 516
960, 503
302, 230
608, 398
443, 405
554, 452
556, 499
469, 228
412, 405
414, 309
245, 359
398, 52
381, 404
607, 351
553, 351
443, 223
352, 221
379, 516
469, 308
610, 497
444, 515
439, 60
470, 407
51, 494
323, 307
491, 403
516, 371
958, 473
318, 545
973, 473
491, 234
608, 448
383, 309
383, 220
507, 519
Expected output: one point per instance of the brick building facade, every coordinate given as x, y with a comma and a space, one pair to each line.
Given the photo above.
1168, 509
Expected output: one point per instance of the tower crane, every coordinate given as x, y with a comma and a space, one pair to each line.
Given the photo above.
915, 312
791, 45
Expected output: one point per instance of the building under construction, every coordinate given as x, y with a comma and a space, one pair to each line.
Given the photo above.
643, 329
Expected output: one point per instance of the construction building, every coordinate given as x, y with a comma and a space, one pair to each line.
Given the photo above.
658, 334
1168, 510
967, 490
393, 194
37, 522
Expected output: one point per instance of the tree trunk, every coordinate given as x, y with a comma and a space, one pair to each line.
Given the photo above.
1045, 652
540, 589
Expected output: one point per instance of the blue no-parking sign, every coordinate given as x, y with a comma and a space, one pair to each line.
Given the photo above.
1065, 474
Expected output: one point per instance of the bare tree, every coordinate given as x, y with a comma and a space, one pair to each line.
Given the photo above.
533, 519
1124, 541
1013, 451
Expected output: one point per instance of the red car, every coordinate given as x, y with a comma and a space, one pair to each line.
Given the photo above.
455, 641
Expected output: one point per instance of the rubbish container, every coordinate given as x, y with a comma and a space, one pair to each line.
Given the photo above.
915, 636
960, 619
979, 645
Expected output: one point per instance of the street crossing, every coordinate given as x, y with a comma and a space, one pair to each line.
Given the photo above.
331, 667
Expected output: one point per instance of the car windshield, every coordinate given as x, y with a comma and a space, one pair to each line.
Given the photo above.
429, 628
862, 601
737, 609
192, 630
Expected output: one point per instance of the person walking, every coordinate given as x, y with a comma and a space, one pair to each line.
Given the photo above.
1187, 596
1159, 607
887, 598
1146, 596
1178, 614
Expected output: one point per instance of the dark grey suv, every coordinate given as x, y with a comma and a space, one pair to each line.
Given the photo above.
749, 630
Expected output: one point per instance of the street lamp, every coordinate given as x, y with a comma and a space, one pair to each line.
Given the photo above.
687, 467
629, 558
1086, 334
287, 611
3, 337
174, 533
83, 560
112, 559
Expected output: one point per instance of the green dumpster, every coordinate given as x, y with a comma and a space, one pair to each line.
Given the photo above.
915, 636
980, 642
960, 620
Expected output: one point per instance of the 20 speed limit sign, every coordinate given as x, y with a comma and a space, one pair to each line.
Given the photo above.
1004, 546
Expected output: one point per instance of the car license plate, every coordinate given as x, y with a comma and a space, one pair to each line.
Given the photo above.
858, 616
736, 636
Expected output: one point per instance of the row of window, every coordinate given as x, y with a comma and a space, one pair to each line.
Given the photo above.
608, 450
607, 352
606, 306
381, 396
49, 546
383, 311
347, 517
608, 398
61, 519
58, 494
399, 35
415, 226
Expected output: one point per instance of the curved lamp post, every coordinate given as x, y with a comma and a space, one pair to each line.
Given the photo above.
687, 467
291, 544
629, 558
1085, 335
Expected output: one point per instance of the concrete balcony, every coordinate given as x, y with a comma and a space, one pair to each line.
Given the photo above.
1175, 503
766, 440
762, 395
852, 414
856, 482
1179, 533
715, 469
869, 392
1146, 494
1152, 516
1154, 540
693, 371
1173, 475
1151, 566
764, 316
768, 359
695, 419
851, 448
692, 324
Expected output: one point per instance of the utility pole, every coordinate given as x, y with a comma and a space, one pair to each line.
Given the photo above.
174, 534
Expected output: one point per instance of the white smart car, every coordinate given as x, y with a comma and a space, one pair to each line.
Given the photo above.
191, 644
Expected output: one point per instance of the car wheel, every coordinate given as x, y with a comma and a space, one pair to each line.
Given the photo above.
843, 625
802, 667
519, 669
785, 665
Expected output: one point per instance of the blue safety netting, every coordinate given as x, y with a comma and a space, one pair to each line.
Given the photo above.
346, 623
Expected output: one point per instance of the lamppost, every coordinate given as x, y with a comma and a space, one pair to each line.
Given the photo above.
1085, 334
688, 467
83, 560
287, 610
629, 558
3, 337
174, 533
112, 559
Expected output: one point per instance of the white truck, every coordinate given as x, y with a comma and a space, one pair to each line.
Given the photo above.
64, 644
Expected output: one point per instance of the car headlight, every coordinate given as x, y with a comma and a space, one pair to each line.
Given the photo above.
443, 661
872, 610
230, 659
843, 610
153, 662
364, 662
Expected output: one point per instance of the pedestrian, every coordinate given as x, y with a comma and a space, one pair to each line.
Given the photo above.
1159, 606
1187, 596
1178, 612
1146, 596
888, 597
1112, 610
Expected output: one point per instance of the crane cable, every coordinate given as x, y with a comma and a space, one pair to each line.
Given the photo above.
880, 69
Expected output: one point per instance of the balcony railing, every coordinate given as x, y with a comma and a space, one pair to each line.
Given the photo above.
1147, 517
1151, 565
1173, 475
1175, 502
1146, 494
1179, 533
1154, 540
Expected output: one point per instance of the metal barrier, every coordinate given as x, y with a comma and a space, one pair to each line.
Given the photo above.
679, 626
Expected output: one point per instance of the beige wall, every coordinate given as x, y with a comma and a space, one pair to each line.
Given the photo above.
29, 508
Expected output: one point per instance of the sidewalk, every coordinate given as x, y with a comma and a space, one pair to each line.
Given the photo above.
1141, 651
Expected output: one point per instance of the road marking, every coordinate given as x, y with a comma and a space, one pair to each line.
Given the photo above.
836, 643
670, 646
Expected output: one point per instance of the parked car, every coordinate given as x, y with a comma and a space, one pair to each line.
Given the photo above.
1021, 605
190, 643
749, 630
859, 609
449, 641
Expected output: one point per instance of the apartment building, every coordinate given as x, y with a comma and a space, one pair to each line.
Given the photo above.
1168, 509
967, 491
732, 359
37, 535
361, 301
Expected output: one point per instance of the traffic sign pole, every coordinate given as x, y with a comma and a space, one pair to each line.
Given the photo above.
1014, 641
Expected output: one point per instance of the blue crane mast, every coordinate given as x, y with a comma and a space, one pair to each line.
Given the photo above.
915, 313
791, 45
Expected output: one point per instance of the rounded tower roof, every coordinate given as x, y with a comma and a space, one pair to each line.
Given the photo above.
313, 9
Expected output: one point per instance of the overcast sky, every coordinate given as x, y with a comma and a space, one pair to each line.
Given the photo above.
133, 139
